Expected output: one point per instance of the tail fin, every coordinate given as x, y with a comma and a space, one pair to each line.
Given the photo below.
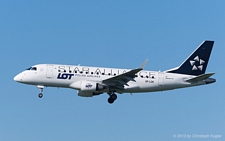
196, 63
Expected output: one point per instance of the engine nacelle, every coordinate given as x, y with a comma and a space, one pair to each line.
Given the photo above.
91, 86
88, 94
87, 86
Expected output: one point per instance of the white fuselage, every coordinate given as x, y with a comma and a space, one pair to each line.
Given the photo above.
53, 75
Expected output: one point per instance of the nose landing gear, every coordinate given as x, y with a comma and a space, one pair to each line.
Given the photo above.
40, 95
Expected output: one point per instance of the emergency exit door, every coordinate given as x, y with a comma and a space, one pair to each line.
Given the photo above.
49, 71
161, 78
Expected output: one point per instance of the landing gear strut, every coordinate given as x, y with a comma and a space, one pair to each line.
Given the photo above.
40, 95
112, 98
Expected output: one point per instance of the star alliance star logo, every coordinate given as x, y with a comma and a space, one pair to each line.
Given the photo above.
197, 63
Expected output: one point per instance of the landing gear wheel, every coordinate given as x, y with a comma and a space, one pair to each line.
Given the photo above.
40, 95
110, 100
113, 96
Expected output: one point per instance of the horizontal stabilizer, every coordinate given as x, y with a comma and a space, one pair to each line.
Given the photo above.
200, 77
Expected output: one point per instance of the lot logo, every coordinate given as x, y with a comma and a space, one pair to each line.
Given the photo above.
88, 85
65, 76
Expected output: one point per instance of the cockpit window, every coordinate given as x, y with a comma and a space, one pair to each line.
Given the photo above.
32, 68
29, 68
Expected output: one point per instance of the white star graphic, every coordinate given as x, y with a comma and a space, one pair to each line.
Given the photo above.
197, 66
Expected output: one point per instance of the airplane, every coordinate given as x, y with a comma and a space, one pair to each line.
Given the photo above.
93, 81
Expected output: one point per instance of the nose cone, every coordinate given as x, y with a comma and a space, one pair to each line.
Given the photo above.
17, 78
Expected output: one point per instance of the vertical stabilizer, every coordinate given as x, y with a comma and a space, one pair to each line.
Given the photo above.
197, 62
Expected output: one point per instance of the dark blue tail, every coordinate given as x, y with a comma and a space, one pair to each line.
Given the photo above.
196, 63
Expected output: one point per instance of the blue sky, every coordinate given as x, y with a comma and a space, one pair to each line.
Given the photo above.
120, 34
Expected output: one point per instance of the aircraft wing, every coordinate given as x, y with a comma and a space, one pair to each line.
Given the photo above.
118, 82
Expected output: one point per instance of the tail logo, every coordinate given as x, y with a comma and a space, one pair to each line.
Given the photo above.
197, 63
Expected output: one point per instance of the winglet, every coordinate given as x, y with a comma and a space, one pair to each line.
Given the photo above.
143, 64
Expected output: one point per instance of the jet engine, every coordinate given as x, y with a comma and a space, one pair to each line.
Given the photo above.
91, 86
88, 88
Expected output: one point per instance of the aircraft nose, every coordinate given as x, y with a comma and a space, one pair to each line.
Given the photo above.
17, 78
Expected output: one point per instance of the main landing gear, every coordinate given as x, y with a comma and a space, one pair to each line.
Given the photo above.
40, 95
112, 98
